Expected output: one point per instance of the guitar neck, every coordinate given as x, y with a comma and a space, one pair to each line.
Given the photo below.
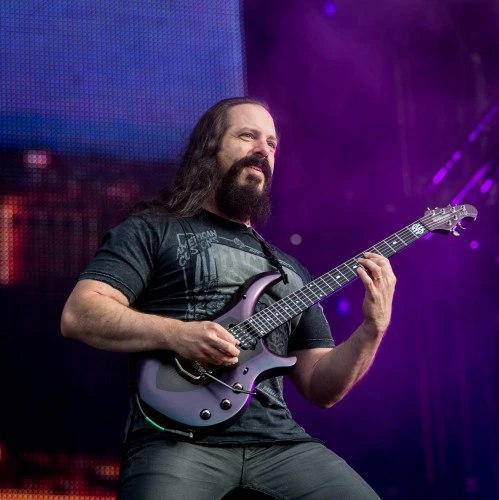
267, 320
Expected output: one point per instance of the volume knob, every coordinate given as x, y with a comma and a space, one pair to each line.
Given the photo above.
205, 414
225, 404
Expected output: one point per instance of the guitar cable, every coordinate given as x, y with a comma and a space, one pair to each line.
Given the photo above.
188, 434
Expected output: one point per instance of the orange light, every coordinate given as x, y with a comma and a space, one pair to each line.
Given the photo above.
11, 241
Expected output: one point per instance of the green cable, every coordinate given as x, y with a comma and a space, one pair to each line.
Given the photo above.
154, 424
188, 434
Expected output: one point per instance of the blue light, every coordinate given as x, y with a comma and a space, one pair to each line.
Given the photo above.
330, 9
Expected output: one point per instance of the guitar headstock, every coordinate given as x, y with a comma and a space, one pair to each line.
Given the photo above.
445, 220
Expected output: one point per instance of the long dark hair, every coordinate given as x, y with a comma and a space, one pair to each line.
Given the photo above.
196, 179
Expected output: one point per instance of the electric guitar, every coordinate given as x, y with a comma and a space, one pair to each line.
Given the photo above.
200, 396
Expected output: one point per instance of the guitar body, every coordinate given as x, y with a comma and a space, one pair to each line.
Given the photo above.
205, 403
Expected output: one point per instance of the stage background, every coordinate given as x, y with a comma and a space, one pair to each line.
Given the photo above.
382, 111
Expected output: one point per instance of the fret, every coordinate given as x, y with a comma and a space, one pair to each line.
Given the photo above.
252, 327
374, 249
303, 293
405, 234
346, 271
256, 326
408, 235
338, 277
291, 304
396, 243
399, 235
295, 295
288, 305
287, 316
324, 291
279, 313
353, 264
269, 319
309, 288
329, 281
386, 249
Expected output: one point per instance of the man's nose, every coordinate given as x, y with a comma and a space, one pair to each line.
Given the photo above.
262, 149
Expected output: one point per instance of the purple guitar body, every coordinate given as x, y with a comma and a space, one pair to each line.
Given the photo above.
204, 403
200, 396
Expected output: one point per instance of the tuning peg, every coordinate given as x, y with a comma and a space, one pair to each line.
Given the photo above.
459, 224
455, 233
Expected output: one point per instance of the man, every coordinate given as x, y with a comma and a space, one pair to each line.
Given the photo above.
173, 265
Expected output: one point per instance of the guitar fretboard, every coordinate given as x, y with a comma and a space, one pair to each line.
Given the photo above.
262, 323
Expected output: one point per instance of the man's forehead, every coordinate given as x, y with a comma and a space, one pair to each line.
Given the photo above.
251, 115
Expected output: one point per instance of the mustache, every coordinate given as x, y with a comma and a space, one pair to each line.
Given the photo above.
256, 161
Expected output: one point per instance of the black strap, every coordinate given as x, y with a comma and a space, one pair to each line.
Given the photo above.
267, 250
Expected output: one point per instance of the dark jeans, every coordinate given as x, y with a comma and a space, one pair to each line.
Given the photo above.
162, 469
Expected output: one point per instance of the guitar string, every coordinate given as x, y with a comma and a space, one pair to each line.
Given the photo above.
260, 321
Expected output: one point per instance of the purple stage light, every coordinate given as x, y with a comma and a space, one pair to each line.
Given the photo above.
458, 154
486, 119
439, 176
466, 189
330, 9
486, 185
474, 245
343, 307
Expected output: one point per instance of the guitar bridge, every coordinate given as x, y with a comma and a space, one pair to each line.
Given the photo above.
197, 377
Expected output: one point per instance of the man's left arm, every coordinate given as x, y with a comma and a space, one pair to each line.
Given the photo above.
325, 375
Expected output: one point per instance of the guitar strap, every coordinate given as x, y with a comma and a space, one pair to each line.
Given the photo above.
267, 250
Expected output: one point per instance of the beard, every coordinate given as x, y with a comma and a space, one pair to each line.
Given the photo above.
248, 201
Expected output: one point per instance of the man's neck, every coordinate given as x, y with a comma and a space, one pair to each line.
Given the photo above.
211, 206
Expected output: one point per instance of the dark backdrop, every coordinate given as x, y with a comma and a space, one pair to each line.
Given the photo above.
374, 103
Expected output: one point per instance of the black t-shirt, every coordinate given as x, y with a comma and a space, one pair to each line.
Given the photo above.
189, 269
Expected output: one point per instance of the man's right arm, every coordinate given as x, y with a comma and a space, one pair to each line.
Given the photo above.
100, 315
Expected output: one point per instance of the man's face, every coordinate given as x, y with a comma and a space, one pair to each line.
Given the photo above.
246, 163
251, 132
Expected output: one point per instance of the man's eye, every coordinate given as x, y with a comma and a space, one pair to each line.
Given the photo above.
273, 145
247, 134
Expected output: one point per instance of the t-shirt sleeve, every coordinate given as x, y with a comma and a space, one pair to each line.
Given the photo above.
126, 257
313, 329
